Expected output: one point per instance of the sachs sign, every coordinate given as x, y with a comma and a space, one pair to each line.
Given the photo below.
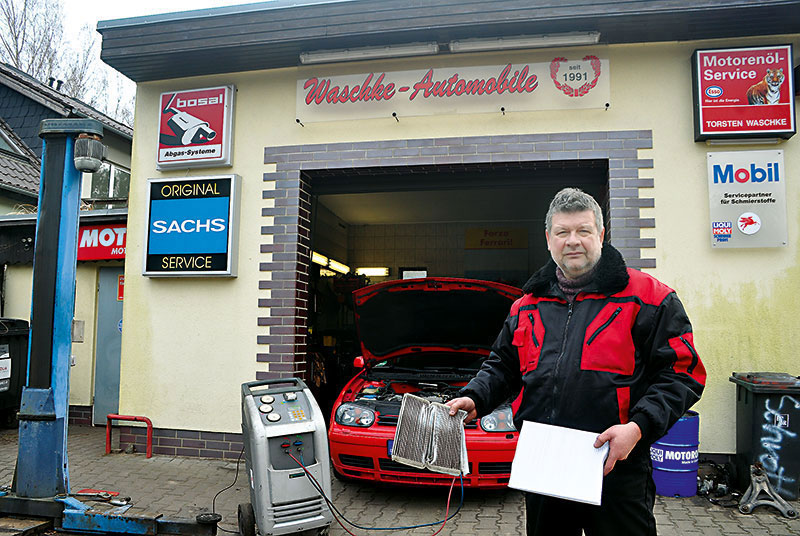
560, 83
192, 225
743, 93
195, 128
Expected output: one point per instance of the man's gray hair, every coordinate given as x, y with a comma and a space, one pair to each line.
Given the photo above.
572, 200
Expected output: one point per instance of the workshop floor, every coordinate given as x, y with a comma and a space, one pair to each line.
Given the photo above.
184, 487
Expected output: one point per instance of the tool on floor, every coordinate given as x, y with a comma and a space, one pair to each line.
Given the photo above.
761, 493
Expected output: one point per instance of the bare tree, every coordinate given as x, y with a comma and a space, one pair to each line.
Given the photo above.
30, 40
78, 68
30, 35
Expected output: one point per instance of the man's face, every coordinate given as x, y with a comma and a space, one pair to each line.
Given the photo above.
575, 242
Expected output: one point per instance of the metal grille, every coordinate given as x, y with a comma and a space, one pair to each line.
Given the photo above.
391, 420
356, 461
494, 468
297, 510
427, 436
386, 464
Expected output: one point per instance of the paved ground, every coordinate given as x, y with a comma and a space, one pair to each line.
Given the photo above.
184, 487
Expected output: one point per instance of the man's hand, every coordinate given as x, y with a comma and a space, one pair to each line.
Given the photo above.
622, 438
465, 403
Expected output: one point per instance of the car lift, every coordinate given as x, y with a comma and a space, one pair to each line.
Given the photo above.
41, 479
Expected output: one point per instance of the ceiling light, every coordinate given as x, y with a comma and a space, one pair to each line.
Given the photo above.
373, 272
324, 272
526, 41
368, 53
338, 266
319, 259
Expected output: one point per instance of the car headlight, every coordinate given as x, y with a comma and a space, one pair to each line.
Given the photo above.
353, 415
500, 420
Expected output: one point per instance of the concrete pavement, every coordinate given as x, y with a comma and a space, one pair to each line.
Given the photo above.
185, 487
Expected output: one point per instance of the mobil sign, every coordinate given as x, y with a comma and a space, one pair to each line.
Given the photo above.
743, 93
747, 199
102, 242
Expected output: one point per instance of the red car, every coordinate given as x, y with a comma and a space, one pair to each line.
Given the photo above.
427, 337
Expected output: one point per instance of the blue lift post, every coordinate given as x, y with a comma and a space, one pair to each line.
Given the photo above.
41, 479
44, 408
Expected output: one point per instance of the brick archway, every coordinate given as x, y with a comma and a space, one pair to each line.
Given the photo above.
285, 251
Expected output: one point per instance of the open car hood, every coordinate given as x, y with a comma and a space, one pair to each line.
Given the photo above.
396, 317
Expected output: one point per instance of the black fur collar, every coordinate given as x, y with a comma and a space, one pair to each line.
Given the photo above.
610, 278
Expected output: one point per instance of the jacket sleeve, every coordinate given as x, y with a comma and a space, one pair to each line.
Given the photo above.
675, 373
499, 377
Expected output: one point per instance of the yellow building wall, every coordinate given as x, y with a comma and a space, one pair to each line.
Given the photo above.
18, 305
189, 343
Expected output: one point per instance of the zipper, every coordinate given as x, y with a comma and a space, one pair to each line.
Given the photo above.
604, 326
695, 358
558, 363
533, 331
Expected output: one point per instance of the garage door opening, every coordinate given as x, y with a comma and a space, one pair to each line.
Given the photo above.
482, 221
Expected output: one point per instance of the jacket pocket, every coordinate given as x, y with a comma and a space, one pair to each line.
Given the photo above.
528, 339
608, 343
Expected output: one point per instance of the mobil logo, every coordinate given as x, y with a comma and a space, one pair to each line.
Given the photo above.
728, 174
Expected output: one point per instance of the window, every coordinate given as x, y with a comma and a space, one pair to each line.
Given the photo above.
7, 145
108, 187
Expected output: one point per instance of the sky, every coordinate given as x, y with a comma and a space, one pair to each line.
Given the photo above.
80, 12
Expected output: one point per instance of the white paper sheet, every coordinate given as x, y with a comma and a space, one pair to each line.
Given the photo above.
559, 462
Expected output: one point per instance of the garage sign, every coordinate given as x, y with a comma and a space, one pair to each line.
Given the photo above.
102, 242
743, 93
496, 238
554, 83
747, 199
195, 128
192, 226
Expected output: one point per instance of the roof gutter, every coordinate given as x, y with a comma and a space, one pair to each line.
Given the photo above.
20, 191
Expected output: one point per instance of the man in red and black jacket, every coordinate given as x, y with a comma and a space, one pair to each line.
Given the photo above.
595, 346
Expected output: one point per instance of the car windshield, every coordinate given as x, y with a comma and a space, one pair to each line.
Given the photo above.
444, 362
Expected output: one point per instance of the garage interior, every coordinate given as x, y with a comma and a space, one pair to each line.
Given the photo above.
418, 219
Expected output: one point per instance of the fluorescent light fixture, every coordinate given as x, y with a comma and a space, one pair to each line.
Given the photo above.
744, 141
338, 266
369, 53
373, 272
324, 272
319, 259
526, 41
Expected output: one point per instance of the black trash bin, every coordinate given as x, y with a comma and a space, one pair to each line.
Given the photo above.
768, 429
13, 367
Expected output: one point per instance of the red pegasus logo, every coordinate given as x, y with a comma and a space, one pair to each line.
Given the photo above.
746, 221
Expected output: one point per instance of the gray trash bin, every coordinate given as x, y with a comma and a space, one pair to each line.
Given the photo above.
768, 429
13, 367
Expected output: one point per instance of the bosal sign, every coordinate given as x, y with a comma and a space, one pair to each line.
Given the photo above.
743, 93
562, 83
195, 128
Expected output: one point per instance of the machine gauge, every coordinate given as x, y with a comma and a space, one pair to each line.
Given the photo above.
268, 399
265, 408
273, 417
290, 396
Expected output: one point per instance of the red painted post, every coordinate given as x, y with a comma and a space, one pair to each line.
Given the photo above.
114, 416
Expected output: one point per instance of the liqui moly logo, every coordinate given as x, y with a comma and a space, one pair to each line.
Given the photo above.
728, 174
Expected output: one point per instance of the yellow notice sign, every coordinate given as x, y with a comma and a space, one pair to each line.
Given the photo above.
482, 238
